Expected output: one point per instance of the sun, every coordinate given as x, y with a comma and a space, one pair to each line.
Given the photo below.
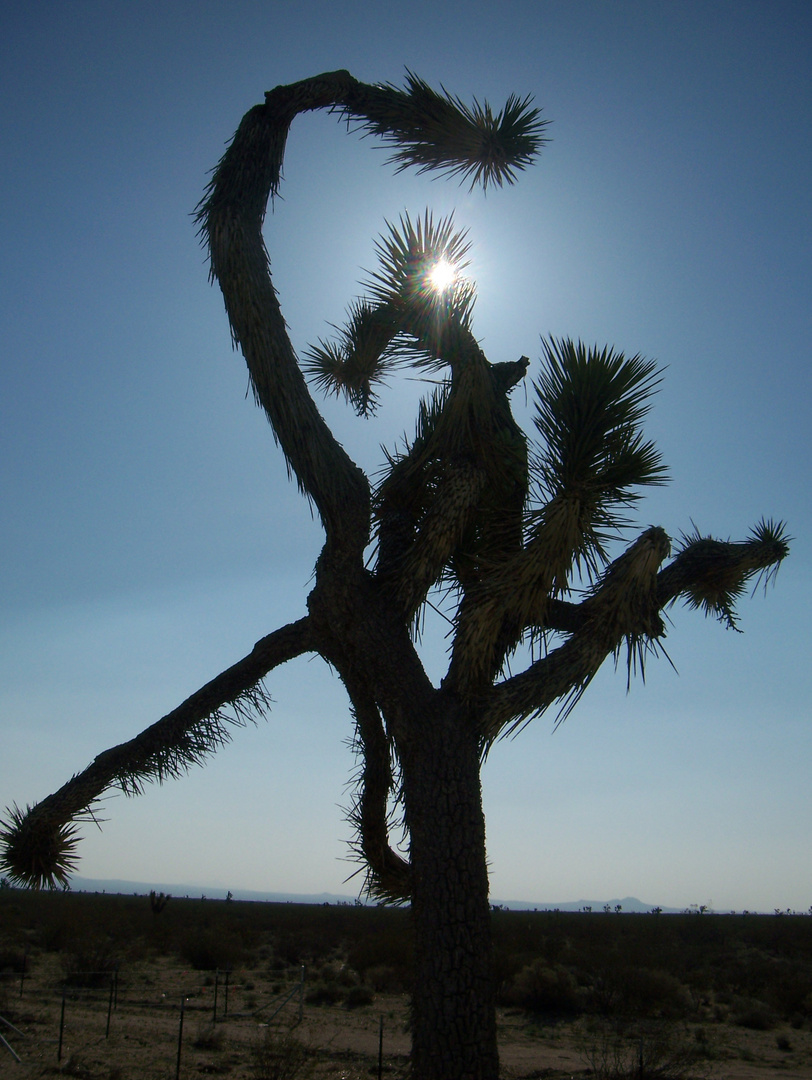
442, 275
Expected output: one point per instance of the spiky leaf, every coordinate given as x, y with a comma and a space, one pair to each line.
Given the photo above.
590, 405
438, 131
37, 852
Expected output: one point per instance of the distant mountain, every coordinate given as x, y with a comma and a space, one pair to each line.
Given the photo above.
141, 888
627, 904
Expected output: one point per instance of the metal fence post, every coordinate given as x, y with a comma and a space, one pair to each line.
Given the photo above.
61, 1028
380, 1049
180, 1037
110, 1005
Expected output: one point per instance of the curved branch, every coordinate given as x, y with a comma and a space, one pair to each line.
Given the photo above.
388, 874
626, 605
39, 843
430, 131
231, 218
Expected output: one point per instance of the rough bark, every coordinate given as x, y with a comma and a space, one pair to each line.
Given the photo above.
453, 1005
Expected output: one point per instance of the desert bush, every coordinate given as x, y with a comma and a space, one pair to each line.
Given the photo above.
358, 996
324, 993
755, 1015
209, 1037
652, 994
790, 991
210, 950
279, 1055
652, 1051
387, 943
542, 988
338, 973
90, 962
12, 961
76, 1067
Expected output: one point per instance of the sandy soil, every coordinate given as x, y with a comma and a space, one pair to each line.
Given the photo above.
144, 1028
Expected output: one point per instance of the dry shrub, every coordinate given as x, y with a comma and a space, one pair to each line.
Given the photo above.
211, 950
209, 1037
387, 944
650, 993
324, 993
90, 962
12, 961
76, 1068
651, 1051
279, 1055
543, 988
358, 996
755, 1015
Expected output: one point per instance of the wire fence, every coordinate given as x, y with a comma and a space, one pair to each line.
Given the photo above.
41, 1011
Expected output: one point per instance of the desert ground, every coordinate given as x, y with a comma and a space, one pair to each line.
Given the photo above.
330, 1040
133, 995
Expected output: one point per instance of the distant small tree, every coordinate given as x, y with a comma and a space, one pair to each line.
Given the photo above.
510, 539
158, 901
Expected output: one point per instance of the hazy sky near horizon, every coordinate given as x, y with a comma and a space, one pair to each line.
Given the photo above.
148, 533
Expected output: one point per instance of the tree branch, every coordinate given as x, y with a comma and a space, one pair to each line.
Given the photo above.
430, 131
625, 605
388, 874
711, 574
231, 217
39, 842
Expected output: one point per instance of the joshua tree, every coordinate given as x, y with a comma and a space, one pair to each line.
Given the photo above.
158, 901
510, 539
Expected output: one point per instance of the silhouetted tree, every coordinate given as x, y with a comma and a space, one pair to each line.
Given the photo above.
158, 901
512, 540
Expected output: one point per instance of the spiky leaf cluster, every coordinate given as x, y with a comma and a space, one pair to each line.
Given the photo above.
36, 852
590, 404
405, 319
438, 131
722, 582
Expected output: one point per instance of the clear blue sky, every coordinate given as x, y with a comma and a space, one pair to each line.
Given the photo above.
149, 535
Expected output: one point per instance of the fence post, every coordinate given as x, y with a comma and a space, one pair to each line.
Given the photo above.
216, 985
380, 1049
225, 1010
110, 1005
61, 1028
301, 994
180, 1037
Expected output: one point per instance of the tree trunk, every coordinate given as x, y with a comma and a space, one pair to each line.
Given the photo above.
453, 1002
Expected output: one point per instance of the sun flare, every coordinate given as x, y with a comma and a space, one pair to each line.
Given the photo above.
442, 275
